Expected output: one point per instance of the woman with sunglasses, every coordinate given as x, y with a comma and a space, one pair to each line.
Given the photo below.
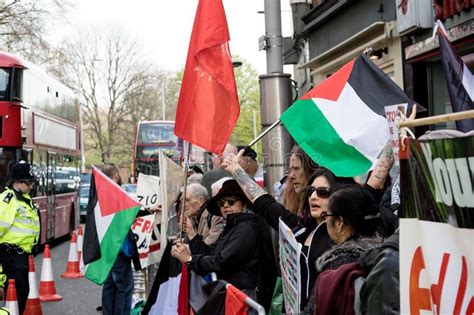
237, 254
309, 228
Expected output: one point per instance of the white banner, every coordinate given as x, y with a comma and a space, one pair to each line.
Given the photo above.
290, 251
436, 268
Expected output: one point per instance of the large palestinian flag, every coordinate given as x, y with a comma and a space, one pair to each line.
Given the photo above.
110, 214
340, 123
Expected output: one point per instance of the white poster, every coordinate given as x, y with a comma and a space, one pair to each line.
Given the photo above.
148, 190
436, 268
290, 251
142, 229
392, 113
172, 181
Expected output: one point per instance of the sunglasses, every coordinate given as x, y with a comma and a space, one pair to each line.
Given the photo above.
325, 214
322, 192
230, 202
28, 183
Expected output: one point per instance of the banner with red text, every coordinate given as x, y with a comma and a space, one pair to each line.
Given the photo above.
437, 229
436, 268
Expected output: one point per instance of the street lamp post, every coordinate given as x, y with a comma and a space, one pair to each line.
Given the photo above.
163, 105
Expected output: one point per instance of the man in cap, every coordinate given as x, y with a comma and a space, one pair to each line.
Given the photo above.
19, 229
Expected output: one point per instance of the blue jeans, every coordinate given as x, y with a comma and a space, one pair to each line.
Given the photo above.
118, 288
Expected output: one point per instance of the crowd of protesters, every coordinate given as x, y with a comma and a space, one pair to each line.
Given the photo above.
348, 233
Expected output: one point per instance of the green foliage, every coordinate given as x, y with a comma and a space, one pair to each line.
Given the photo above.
246, 78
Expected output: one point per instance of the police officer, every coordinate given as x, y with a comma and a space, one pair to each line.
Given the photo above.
19, 229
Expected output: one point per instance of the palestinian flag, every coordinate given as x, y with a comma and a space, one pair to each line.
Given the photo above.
340, 123
110, 214
164, 297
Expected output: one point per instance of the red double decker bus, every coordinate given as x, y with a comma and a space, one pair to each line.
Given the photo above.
40, 123
158, 135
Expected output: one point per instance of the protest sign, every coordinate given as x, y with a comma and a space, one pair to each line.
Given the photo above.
392, 113
437, 180
148, 190
172, 181
142, 228
290, 251
436, 252
436, 268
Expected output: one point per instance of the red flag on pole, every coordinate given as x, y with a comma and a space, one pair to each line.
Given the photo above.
208, 105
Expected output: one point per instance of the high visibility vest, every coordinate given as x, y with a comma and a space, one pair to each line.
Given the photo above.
19, 221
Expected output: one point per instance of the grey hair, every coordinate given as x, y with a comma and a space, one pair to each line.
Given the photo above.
198, 190
195, 179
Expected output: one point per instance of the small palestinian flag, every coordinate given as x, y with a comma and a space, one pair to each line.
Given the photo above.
110, 214
340, 123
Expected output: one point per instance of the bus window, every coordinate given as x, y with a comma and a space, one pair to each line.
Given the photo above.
4, 77
6, 163
39, 169
17, 86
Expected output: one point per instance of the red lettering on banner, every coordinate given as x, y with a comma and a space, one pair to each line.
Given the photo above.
437, 289
138, 222
419, 297
147, 227
462, 288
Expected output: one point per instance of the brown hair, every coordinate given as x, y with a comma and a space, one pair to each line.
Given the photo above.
112, 170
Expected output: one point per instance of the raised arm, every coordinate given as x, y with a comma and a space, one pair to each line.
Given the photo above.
252, 190
382, 168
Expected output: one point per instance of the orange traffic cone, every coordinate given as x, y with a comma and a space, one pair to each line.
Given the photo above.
72, 268
11, 303
47, 289
33, 305
80, 238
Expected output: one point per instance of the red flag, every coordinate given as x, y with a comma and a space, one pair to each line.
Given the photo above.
208, 105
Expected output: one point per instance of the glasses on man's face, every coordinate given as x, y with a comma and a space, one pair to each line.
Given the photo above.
322, 192
230, 202
28, 183
325, 214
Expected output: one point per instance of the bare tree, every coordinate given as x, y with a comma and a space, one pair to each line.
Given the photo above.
23, 26
103, 67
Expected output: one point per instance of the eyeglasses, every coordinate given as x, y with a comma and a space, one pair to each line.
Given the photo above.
325, 214
230, 202
322, 192
28, 183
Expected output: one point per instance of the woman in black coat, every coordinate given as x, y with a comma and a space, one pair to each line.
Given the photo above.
309, 229
236, 256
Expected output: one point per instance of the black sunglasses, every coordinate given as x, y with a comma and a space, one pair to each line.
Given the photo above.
322, 192
28, 183
230, 202
325, 214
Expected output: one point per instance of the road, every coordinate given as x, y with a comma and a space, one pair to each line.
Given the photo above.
80, 296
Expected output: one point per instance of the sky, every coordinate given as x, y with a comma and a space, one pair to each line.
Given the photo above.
163, 27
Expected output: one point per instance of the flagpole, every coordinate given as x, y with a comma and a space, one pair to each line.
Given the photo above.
276, 123
437, 119
186, 166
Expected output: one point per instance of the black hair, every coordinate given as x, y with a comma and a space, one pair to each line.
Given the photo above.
356, 207
333, 183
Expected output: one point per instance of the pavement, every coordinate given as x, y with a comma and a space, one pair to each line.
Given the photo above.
80, 296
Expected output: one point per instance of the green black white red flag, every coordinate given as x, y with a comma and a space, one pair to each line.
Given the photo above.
340, 123
110, 214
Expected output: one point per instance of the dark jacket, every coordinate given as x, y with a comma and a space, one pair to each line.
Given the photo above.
235, 257
346, 253
380, 292
271, 210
